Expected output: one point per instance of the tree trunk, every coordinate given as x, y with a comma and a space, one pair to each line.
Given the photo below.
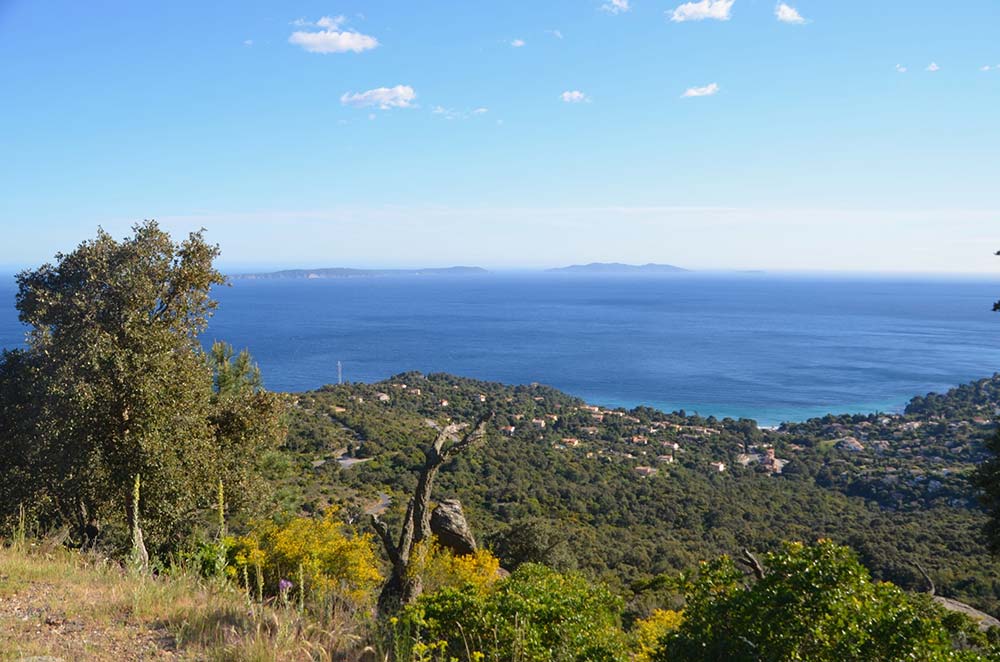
405, 585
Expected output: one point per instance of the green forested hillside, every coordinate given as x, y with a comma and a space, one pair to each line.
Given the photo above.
627, 495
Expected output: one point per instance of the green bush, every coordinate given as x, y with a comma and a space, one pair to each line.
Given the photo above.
816, 603
536, 615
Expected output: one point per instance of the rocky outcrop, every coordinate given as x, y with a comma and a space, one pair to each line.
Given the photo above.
983, 620
448, 523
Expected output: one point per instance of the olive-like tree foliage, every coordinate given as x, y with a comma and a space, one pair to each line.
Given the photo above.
813, 602
114, 384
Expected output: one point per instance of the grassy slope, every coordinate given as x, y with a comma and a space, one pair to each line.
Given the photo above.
73, 606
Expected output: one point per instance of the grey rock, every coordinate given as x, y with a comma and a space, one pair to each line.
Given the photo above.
448, 523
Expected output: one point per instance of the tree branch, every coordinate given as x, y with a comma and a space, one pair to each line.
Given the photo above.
472, 438
751, 560
930, 582
383, 532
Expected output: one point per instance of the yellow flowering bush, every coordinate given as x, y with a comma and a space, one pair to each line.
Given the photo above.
321, 553
649, 631
439, 568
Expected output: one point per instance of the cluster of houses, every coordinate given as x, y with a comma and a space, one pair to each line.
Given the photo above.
764, 457
641, 439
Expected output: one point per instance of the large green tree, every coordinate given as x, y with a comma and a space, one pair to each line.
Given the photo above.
114, 384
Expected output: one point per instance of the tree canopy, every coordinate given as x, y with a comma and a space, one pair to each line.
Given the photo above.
114, 384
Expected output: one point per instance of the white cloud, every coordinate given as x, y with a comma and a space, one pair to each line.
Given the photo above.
900, 68
574, 96
787, 14
446, 113
616, 6
400, 96
330, 38
331, 22
707, 91
985, 67
699, 11
248, 42
517, 43
451, 114
933, 66
328, 22
555, 33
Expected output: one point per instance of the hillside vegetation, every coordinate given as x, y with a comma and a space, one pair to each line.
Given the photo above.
632, 494
158, 501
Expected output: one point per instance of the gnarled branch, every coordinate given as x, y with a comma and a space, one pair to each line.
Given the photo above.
755, 566
403, 586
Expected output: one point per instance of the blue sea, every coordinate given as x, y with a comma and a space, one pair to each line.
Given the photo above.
768, 347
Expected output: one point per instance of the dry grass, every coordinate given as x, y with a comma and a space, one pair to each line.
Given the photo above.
74, 606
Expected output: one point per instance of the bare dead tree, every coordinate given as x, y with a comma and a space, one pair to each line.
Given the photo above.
751, 560
931, 589
404, 585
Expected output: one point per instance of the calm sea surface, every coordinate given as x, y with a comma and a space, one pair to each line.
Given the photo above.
766, 347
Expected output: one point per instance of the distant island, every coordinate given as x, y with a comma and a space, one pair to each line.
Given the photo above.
618, 268
340, 272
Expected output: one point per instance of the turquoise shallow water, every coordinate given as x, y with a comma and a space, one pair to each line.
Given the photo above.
765, 347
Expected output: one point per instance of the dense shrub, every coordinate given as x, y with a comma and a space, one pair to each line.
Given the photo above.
535, 615
319, 557
817, 603
439, 568
649, 631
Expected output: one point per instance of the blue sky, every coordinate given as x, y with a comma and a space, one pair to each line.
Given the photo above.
509, 134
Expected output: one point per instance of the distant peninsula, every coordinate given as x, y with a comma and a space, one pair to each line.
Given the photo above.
618, 268
340, 272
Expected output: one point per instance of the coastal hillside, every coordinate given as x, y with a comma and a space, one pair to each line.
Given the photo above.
160, 502
669, 489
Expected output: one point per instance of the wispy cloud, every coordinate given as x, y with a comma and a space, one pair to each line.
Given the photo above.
248, 42
329, 38
331, 22
706, 91
616, 6
574, 96
901, 69
517, 43
326, 22
400, 96
555, 33
788, 14
451, 114
986, 67
718, 10
933, 66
